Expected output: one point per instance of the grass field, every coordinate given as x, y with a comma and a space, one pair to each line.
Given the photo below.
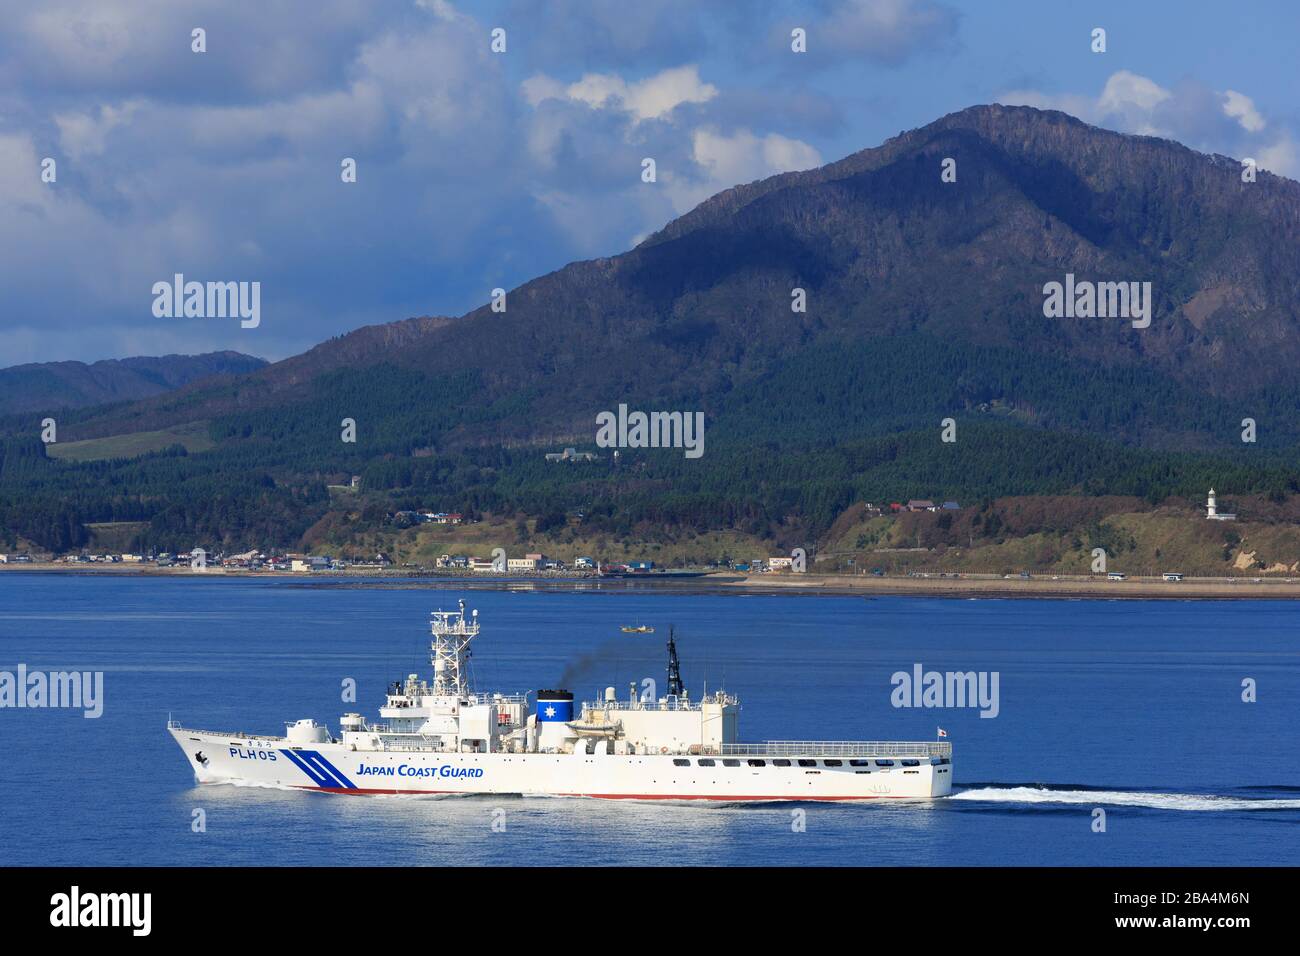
193, 435
1138, 544
424, 543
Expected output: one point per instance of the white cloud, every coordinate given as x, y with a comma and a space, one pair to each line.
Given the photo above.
652, 98
743, 157
1134, 98
885, 30
84, 134
1242, 108
20, 174
227, 167
724, 161
1280, 157
1226, 122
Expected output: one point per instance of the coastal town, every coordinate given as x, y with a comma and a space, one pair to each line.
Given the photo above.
872, 555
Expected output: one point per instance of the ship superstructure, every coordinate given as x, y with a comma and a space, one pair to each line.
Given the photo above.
440, 737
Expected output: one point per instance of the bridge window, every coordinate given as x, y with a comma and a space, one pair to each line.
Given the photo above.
706, 762
807, 763
780, 763
832, 763
911, 763
884, 763
731, 763
758, 763
859, 763
681, 763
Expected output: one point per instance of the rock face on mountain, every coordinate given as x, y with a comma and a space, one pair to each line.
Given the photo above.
50, 386
882, 247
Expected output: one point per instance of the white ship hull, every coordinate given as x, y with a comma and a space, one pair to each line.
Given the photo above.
337, 768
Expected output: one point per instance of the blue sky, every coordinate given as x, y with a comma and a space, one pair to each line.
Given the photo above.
479, 169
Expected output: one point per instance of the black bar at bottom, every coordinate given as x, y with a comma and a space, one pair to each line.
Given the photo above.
316, 904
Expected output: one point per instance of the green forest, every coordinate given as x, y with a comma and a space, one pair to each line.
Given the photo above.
836, 424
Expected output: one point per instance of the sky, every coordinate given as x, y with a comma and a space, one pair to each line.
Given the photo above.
478, 169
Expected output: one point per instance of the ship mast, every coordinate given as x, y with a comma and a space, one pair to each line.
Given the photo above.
449, 650
675, 687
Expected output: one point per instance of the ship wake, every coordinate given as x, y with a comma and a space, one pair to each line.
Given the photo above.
1122, 798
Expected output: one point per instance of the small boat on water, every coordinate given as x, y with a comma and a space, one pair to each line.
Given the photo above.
638, 629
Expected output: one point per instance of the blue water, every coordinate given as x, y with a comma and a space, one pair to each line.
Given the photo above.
1134, 707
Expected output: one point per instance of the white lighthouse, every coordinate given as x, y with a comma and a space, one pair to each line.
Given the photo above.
1212, 510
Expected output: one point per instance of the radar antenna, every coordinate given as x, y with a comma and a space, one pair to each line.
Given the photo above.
449, 649
675, 688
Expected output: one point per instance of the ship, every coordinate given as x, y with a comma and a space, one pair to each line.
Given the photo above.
441, 737
637, 629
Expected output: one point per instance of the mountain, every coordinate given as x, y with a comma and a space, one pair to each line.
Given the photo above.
701, 309
925, 301
50, 386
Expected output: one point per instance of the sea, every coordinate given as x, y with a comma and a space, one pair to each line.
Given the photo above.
1126, 732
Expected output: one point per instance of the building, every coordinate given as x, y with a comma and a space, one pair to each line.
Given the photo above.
921, 504
481, 565
780, 564
305, 562
572, 454
584, 563
1212, 510
355, 482
521, 565
950, 506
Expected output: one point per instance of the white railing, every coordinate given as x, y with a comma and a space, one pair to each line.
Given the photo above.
498, 699
670, 703
229, 735
420, 743
840, 748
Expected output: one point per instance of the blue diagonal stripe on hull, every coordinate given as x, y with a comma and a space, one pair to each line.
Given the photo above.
327, 768
317, 777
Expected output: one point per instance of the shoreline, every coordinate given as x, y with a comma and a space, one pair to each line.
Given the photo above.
1034, 588
972, 586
